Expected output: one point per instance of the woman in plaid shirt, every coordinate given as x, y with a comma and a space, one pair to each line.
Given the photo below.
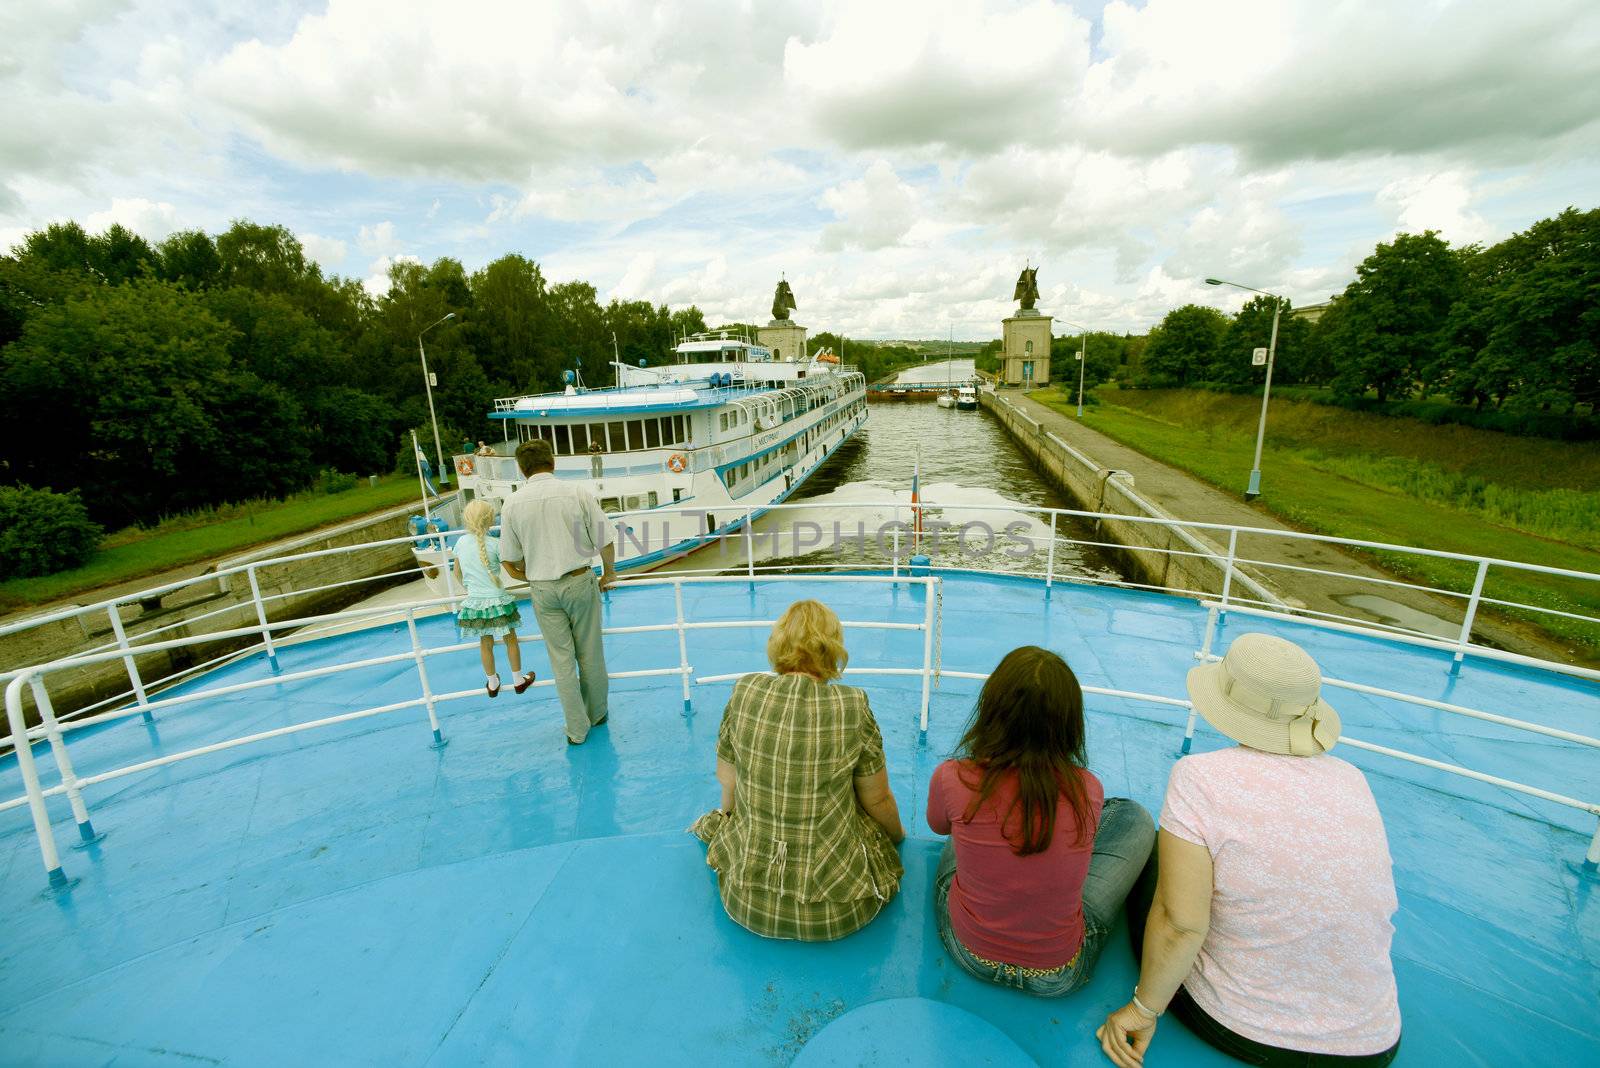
804, 841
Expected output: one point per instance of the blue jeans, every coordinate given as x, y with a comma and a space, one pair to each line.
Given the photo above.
1122, 845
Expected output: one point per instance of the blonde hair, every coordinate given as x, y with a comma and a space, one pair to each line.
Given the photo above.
478, 517
808, 639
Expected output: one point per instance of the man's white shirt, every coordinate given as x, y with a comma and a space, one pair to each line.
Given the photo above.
552, 527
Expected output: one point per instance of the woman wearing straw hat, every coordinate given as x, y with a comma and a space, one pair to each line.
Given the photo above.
1267, 929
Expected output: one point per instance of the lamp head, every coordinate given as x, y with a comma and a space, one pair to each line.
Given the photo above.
448, 315
1213, 281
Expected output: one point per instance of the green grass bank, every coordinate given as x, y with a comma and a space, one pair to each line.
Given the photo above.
187, 539
1383, 478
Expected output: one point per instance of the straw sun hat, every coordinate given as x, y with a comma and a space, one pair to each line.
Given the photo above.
1266, 693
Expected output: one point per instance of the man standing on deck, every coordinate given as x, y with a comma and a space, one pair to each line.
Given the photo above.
550, 533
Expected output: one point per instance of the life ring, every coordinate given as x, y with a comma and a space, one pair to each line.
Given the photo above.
677, 463
464, 465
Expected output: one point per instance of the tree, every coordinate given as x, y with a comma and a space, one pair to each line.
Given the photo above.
1252, 329
1395, 314
1185, 344
189, 258
1527, 329
129, 393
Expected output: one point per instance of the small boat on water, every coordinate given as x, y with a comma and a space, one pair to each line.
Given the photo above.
947, 399
966, 399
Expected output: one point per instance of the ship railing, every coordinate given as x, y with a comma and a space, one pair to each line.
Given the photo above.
54, 731
412, 650
1237, 591
1235, 579
1232, 575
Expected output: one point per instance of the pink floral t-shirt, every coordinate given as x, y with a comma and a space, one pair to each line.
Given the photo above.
1303, 901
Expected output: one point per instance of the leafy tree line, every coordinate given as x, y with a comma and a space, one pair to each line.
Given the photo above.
1515, 326
154, 379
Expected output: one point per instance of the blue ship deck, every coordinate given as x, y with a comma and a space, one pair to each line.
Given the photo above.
353, 896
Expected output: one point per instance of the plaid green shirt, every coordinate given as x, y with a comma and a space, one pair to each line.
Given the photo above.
799, 858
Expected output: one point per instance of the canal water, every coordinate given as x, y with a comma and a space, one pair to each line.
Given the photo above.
937, 372
972, 477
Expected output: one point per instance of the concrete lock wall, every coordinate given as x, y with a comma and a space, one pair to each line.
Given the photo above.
1159, 554
212, 604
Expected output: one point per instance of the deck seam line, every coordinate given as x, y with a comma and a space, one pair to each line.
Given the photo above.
499, 957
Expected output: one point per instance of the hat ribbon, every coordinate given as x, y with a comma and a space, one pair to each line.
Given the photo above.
1243, 693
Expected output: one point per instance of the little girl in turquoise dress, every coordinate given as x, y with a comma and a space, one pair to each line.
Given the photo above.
488, 612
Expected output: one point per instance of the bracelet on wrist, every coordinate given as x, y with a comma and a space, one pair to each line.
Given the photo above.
1144, 1009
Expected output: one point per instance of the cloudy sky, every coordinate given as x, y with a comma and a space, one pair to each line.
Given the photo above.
898, 162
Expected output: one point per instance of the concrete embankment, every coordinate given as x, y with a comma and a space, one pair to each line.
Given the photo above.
1103, 475
209, 604
1158, 553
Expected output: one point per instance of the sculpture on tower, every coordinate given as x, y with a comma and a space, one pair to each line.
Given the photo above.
782, 302
1027, 289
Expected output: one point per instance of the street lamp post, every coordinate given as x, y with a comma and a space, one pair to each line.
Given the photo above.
1083, 360
427, 384
1253, 490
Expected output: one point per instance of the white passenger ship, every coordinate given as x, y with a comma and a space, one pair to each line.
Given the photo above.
690, 450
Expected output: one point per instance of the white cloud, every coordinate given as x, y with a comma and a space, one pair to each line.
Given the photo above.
939, 72
378, 239
897, 161
328, 252
1303, 79
150, 221
1439, 202
377, 281
874, 211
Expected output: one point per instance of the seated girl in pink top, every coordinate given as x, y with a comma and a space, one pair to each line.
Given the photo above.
1270, 920
1038, 863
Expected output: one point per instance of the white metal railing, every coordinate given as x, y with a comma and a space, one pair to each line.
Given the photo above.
1229, 565
72, 785
265, 634
1231, 570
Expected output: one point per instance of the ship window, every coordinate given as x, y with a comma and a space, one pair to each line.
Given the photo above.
619, 437
610, 504
563, 441
683, 427
580, 439
652, 433
654, 499
635, 503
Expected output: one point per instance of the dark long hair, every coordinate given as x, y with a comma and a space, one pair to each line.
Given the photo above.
1029, 720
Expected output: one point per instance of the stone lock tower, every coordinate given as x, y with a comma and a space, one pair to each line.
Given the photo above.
1025, 354
786, 338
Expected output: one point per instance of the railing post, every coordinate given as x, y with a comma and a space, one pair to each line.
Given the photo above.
896, 548
1472, 614
930, 587
1211, 635
448, 566
1227, 568
261, 617
141, 700
58, 747
1050, 557
749, 545
439, 740
1188, 730
30, 782
683, 644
